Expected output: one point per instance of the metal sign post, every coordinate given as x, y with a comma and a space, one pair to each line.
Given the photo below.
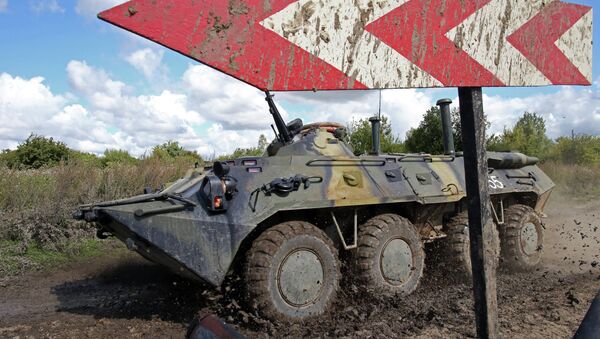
480, 219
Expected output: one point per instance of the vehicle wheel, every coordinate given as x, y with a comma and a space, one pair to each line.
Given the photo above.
292, 272
522, 238
390, 257
456, 247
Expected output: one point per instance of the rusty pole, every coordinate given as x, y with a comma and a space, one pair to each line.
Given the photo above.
480, 219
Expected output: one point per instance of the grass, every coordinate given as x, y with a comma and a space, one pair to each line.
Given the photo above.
36, 226
15, 259
575, 181
38, 232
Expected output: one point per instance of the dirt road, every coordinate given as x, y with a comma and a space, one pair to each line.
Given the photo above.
125, 296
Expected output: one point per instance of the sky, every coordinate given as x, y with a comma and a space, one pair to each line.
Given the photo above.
67, 75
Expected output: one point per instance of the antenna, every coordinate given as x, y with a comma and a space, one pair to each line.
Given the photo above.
379, 113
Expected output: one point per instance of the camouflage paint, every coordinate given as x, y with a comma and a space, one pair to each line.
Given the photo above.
198, 243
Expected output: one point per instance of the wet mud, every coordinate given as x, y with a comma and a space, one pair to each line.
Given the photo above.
126, 296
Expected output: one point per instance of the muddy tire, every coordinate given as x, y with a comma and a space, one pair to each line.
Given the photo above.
292, 272
522, 238
389, 259
455, 249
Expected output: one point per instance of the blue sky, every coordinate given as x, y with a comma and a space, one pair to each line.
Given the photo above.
105, 88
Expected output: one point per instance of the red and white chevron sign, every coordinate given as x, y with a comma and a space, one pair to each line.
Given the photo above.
358, 44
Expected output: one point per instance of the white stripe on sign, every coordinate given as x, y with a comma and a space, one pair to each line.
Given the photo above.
483, 36
579, 53
334, 32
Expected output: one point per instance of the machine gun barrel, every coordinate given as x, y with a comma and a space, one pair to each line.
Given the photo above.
284, 133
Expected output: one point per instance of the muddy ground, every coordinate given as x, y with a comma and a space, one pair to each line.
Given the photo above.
125, 296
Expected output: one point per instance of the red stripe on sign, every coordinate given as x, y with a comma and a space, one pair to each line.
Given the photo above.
227, 36
417, 30
536, 41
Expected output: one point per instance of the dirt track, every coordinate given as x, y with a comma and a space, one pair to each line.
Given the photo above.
125, 296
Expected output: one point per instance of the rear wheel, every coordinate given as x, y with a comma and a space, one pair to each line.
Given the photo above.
456, 247
522, 238
292, 272
390, 257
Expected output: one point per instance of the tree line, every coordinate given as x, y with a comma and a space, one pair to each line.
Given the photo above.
39, 151
527, 136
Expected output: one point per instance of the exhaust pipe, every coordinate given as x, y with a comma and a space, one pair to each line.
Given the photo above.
447, 137
375, 133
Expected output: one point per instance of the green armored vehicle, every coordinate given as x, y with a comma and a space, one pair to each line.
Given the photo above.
289, 214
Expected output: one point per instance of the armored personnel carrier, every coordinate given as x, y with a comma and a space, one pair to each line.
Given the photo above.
288, 215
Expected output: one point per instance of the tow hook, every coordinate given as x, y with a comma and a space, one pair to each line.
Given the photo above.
131, 245
103, 234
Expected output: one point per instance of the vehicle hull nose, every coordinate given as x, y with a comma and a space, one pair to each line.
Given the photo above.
196, 248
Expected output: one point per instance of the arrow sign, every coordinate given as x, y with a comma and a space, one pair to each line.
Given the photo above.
359, 44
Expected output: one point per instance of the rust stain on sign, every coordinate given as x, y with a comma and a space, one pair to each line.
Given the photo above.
357, 44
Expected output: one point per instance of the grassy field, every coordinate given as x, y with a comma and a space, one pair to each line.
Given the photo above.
36, 207
575, 181
37, 231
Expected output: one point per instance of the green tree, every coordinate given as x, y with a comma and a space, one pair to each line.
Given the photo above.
7, 158
263, 142
117, 156
578, 149
248, 152
38, 151
528, 136
171, 150
359, 137
85, 158
427, 137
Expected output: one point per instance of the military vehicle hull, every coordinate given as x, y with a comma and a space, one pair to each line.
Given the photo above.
202, 244
287, 214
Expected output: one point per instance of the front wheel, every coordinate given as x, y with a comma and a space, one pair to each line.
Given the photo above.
390, 257
292, 272
522, 238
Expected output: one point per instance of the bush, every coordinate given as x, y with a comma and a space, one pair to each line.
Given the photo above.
428, 138
171, 150
38, 151
247, 152
86, 158
578, 181
114, 156
360, 138
528, 136
36, 205
580, 149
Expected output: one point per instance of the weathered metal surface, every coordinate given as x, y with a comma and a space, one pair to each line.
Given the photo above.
397, 261
481, 225
343, 44
198, 242
300, 277
530, 239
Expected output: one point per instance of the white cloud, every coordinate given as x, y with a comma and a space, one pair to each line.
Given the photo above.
226, 101
569, 109
214, 114
29, 106
91, 8
149, 119
3, 6
109, 115
404, 107
147, 61
222, 139
95, 85
51, 6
